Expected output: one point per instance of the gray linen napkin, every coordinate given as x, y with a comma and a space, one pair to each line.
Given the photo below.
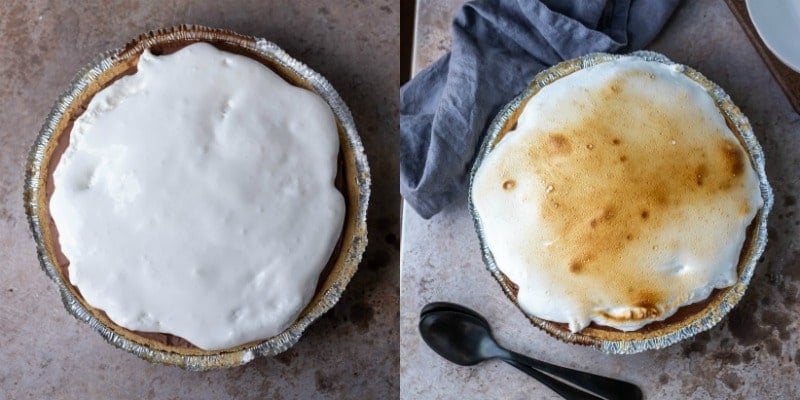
497, 48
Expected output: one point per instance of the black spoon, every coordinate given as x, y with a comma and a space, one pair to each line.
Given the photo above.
464, 337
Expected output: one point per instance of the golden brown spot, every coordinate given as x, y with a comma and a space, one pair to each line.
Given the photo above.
629, 237
605, 215
646, 300
616, 88
575, 267
744, 209
645, 214
623, 158
558, 145
699, 174
658, 196
618, 318
644, 305
615, 142
734, 159
509, 184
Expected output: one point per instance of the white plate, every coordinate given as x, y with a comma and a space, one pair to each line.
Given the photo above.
778, 24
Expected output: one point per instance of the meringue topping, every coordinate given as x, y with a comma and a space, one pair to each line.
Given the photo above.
196, 197
620, 196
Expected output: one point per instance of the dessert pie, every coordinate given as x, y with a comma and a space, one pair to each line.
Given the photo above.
618, 202
204, 197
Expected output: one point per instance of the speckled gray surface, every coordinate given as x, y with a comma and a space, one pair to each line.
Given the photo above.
351, 352
754, 353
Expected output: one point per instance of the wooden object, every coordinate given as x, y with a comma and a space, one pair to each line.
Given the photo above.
788, 79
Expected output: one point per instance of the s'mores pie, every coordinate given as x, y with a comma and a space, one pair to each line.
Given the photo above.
616, 200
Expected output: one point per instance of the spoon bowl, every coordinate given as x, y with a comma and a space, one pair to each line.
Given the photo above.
458, 337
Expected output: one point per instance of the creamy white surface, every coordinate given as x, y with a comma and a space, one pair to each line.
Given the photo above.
686, 257
196, 198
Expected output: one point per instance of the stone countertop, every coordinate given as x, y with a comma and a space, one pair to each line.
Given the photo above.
753, 353
351, 352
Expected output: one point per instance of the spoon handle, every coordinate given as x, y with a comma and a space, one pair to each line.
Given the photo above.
566, 391
609, 388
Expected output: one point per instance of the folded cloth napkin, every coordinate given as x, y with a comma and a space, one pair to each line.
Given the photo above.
497, 48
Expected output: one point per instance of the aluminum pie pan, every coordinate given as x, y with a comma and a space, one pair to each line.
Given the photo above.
703, 315
353, 168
